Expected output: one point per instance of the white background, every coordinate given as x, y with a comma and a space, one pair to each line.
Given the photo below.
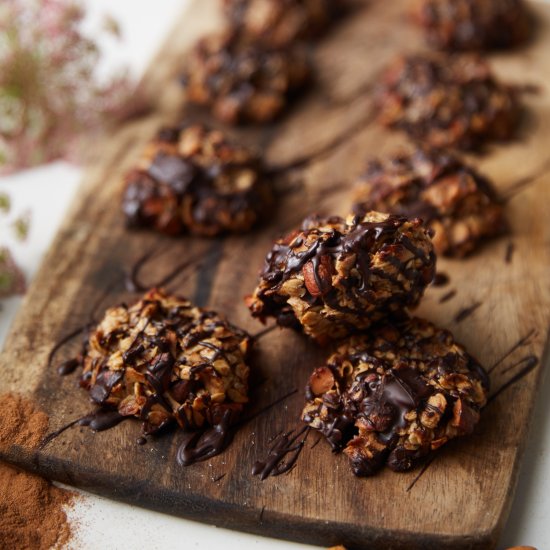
99, 523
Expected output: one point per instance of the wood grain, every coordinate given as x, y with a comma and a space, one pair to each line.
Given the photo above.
463, 498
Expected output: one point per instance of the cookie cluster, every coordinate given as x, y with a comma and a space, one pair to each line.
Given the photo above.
194, 179
164, 360
334, 277
394, 394
457, 203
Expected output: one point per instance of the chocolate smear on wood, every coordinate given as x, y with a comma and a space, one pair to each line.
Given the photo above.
466, 312
520, 343
447, 296
525, 182
263, 332
97, 421
531, 364
441, 279
202, 445
276, 462
133, 283
510, 248
421, 473
305, 160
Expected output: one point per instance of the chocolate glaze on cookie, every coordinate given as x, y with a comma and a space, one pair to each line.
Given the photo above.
445, 101
279, 23
194, 179
242, 82
333, 277
395, 394
458, 25
165, 361
451, 197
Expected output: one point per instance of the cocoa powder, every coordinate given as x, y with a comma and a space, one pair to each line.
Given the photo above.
32, 511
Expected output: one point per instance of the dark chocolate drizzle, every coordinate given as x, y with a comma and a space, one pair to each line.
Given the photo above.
197, 446
100, 420
132, 280
441, 279
447, 296
464, 313
510, 248
306, 160
421, 473
68, 366
531, 363
277, 462
523, 341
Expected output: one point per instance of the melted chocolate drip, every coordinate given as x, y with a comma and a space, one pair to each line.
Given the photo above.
102, 420
283, 445
421, 473
98, 421
523, 341
447, 296
68, 367
510, 248
341, 139
441, 279
531, 364
202, 445
466, 312
133, 283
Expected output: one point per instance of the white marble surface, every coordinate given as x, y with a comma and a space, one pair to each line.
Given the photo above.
100, 523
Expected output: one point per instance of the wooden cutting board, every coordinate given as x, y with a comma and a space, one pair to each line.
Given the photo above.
463, 498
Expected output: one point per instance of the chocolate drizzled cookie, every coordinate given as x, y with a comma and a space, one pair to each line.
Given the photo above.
395, 394
458, 25
279, 23
333, 277
163, 360
452, 198
242, 82
447, 101
192, 178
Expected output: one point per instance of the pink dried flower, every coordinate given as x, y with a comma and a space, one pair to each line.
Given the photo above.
50, 99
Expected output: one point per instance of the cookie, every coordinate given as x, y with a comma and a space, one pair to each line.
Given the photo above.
395, 394
165, 361
194, 179
452, 198
333, 277
242, 82
446, 101
279, 23
459, 25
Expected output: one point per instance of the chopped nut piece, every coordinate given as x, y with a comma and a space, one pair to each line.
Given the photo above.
455, 201
170, 354
334, 276
447, 101
390, 401
473, 25
241, 82
192, 178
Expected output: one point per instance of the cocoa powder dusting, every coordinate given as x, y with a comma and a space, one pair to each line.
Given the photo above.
31, 508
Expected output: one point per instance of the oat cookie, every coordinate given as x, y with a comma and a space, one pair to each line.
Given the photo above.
454, 200
164, 360
333, 277
447, 101
458, 25
279, 23
241, 82
394, 394
193, 178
